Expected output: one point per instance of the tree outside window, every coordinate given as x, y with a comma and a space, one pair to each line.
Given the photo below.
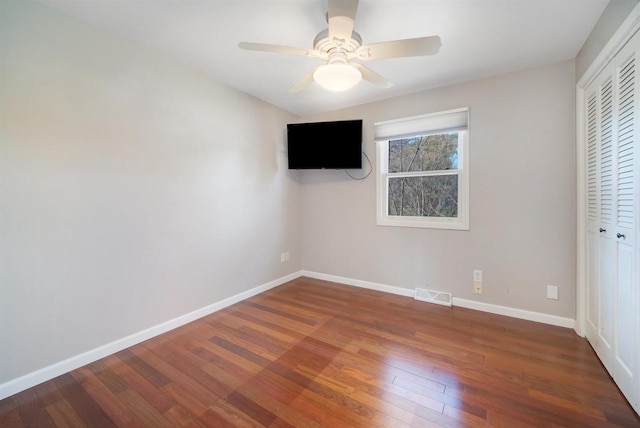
432, 194
423, 172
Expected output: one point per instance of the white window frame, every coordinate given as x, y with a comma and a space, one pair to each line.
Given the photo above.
427, 124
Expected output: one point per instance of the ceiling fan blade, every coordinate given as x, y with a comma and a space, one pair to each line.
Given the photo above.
346, 8
341, 17
420, 46
263, 47
302, 84
371, 76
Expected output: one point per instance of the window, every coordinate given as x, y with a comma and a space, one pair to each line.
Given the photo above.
423, 171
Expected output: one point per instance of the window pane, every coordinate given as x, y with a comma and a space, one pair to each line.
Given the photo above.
434, 196
424, 153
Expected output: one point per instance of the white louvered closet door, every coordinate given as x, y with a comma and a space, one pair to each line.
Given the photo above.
600, 293
613, 291
627, 290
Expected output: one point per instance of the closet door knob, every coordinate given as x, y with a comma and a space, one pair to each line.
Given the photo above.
602, 230
620, 235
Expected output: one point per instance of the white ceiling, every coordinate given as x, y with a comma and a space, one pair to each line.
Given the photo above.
480, 38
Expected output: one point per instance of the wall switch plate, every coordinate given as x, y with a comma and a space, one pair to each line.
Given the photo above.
552, 292
477, 276
477, 287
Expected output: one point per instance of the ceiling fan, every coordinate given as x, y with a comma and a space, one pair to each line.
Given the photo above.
340, 47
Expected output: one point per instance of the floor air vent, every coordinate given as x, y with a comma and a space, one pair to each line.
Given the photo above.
431, 296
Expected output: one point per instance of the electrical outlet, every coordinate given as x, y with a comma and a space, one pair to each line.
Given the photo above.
477, 287
552, 292
477, 276
286, 256
283, 257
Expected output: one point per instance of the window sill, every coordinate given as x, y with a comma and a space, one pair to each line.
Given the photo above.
451, 224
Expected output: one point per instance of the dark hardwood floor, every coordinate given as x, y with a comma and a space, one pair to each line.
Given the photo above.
316, 354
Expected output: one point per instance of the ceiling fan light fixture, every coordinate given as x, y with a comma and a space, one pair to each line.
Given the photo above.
337, 77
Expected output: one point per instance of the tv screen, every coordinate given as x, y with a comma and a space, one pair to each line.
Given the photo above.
325, 145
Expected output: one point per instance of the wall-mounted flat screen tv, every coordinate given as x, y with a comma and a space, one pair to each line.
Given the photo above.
325, 145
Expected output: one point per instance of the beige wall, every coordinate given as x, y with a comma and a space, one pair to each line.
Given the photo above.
613, 16
133, 190
522, 206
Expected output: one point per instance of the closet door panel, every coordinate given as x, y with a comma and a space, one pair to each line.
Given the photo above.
593, 285
606, 219
627, 333
593, 212
607, 313
627, 360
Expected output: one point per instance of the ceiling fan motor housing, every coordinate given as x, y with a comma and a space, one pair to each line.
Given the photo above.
323, 43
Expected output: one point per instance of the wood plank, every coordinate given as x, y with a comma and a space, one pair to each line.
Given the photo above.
31, 410
211, 419
63, 415
139, 384
191, 385
143, 410
236, 417
180, 417
150, 373
83, 404
105, 397
185, 399
270, 397
9, 415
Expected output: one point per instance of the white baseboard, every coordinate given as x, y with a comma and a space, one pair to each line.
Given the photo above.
464, 303
358, 283
47, 373
515, 313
